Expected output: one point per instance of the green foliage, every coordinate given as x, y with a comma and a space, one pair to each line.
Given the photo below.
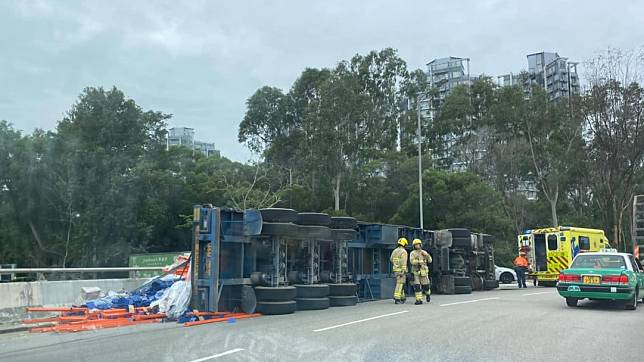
456, 200
104, 186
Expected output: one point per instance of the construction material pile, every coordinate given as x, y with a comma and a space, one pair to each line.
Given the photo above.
160, 299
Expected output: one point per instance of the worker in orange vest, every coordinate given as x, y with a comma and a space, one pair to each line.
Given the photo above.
521, 265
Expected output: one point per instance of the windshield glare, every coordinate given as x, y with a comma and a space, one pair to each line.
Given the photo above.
599, 262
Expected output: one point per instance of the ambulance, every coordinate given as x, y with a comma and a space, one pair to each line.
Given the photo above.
551, 250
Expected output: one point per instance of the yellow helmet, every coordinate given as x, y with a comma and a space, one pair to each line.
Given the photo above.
402, 242
417, 242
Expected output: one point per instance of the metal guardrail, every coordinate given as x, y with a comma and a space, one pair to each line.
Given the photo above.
78, 270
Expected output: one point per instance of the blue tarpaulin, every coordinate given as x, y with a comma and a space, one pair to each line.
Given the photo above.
140, 297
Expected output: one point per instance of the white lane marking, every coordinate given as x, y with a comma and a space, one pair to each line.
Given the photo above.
359, 321
469, 301
218, 355
525, 295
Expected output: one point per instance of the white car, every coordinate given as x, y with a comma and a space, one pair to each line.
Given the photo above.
504, 275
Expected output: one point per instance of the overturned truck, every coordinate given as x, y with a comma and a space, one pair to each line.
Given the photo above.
277, 261
463, 261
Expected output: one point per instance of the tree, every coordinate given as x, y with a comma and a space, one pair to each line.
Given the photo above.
104, 137
613, 111
457, 200
332, 122
551, 133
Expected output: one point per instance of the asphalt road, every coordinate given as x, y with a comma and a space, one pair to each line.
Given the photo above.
509, 324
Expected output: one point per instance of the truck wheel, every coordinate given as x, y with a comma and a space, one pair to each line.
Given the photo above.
490, 284
313, 218
343, 301
312, 303
276, 214
343, 222
631, 304
275, 294
463, 281
313, 232
571, 302
506, 278
343, 290
279, 228
463, 289
447, 284
273, 308
343, 234
312, 291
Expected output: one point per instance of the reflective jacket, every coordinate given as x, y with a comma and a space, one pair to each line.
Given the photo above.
521, 261
420, 259
399, 260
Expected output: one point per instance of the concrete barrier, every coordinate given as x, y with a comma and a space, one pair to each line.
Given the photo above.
15, 297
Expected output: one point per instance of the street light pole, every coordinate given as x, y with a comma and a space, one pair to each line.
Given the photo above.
420, 167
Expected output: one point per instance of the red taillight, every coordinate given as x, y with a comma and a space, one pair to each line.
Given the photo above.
568, 278
615, 279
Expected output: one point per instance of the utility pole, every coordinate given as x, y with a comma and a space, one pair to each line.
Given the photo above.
420, 166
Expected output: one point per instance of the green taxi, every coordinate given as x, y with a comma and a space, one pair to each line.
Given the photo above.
603, 275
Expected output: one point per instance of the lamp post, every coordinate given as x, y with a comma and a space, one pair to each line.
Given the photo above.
420, 166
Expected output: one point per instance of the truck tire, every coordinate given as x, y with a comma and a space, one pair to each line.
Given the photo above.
490, 284
462, 289
313, 232
275, 294
463, 281
312, 291
279, 228
343, 234
274, 308
312, 303
248, 299
343, 222
343, 290
460, 233
447, 284
275, 214
313, 218
343, 301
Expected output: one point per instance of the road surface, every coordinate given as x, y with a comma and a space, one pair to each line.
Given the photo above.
508, 324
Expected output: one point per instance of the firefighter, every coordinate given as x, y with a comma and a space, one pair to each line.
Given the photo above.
399, 262
420, 260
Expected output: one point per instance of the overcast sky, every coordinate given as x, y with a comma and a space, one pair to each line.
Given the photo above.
201, 60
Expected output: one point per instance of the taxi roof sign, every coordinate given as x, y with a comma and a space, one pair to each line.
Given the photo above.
608, 250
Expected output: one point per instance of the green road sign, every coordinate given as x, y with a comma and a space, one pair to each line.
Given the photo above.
152, 260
